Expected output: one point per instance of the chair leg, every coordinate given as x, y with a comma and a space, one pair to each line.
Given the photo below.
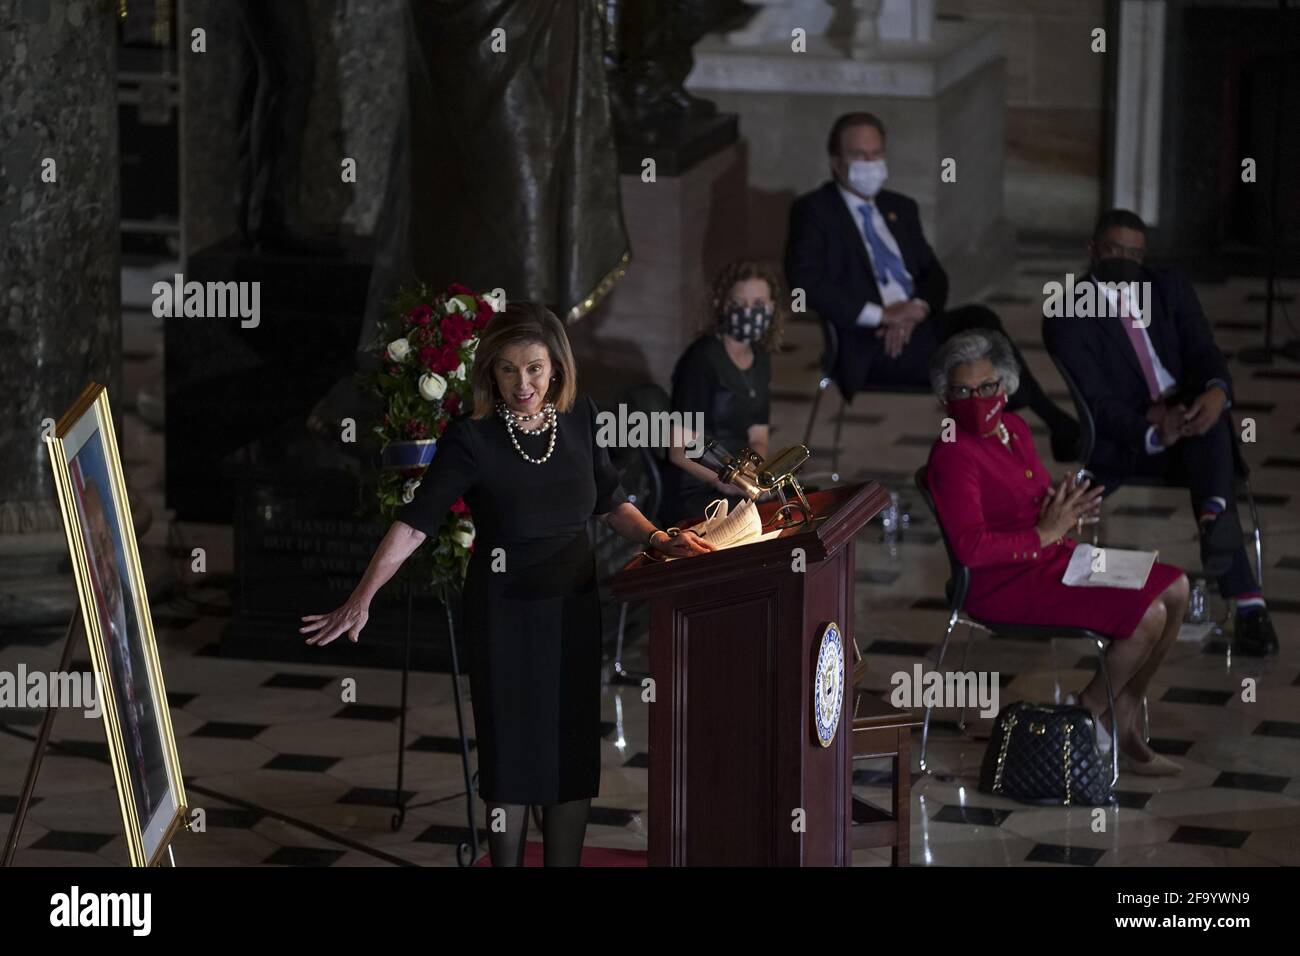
1110, 702
925, 721
618, 647
965, 657
902, 850
835, 449
1259, 534
812, 415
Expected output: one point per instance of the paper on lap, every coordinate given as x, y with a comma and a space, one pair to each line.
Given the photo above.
1092, 567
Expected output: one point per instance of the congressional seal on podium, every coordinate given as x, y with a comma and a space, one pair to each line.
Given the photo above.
828, 684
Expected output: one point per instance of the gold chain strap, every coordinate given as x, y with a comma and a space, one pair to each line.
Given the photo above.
1065, 754
1002, 752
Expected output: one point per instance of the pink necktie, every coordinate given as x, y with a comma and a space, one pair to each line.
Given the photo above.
1139, 342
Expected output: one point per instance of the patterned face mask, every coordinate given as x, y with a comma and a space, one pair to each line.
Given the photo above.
747, 323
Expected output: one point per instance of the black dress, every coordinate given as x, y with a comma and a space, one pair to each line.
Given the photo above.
732, 400
533, 627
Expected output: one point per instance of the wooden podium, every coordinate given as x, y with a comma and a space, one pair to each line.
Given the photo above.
734, 642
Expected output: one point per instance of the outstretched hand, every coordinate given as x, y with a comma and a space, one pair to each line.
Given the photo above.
348, 619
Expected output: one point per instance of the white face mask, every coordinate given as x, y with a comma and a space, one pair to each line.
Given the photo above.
867, 176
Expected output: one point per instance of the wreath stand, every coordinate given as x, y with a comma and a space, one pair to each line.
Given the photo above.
467, 852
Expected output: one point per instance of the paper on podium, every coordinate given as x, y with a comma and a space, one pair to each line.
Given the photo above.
730, 529
1091, 567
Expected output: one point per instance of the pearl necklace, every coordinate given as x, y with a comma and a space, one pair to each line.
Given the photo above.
550, 425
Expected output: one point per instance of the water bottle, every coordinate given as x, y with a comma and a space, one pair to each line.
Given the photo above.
1197, 603
889, 518
1080, 476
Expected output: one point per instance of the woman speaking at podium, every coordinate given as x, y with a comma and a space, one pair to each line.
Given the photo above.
527, 463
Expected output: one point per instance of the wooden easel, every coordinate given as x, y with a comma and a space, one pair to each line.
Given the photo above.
38, 755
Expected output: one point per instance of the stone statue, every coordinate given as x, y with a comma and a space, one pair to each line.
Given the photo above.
274, 93
648, 56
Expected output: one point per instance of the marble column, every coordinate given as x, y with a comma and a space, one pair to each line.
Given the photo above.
59, 249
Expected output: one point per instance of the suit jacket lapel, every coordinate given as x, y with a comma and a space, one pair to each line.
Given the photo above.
1163, 337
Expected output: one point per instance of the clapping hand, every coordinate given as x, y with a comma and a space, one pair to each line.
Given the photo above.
1066, 506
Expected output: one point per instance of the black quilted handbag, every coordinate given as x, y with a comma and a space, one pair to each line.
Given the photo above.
1045, 754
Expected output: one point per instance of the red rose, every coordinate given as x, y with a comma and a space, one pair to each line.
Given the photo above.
483, 314
455, 329
428, 355
457, 289
445, 359
416, 429
459, 508
421, 315
451, 402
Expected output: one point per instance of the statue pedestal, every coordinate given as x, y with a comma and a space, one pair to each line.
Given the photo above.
300, 548
228, 386
683, 229
941, 99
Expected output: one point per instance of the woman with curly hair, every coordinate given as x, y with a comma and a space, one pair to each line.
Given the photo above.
726, 376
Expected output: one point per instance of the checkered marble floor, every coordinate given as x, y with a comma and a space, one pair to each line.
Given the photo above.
289, 775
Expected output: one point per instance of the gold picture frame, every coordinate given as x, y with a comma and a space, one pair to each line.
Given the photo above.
114, 609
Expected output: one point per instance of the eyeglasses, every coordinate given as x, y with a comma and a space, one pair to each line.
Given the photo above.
983, 390
1108, 248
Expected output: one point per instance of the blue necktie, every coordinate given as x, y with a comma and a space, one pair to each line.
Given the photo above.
882, 256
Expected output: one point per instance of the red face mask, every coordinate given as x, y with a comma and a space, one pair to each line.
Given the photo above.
976, 415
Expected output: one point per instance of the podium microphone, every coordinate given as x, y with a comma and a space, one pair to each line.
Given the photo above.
753, 476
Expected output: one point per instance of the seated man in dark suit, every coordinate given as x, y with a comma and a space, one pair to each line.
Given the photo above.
1159, 390
859, 254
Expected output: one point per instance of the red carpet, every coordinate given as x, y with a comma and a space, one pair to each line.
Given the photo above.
591, 856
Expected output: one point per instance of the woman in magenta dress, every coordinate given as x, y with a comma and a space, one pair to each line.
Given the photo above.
1008, 523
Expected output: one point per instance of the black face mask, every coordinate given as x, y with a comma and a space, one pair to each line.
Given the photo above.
747, 323
1117, 269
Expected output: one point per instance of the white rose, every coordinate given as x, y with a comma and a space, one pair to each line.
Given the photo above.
464, 534
399, 349
460, 371
432, 386
457, 304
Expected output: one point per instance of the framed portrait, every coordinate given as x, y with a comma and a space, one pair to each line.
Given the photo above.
119, 628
